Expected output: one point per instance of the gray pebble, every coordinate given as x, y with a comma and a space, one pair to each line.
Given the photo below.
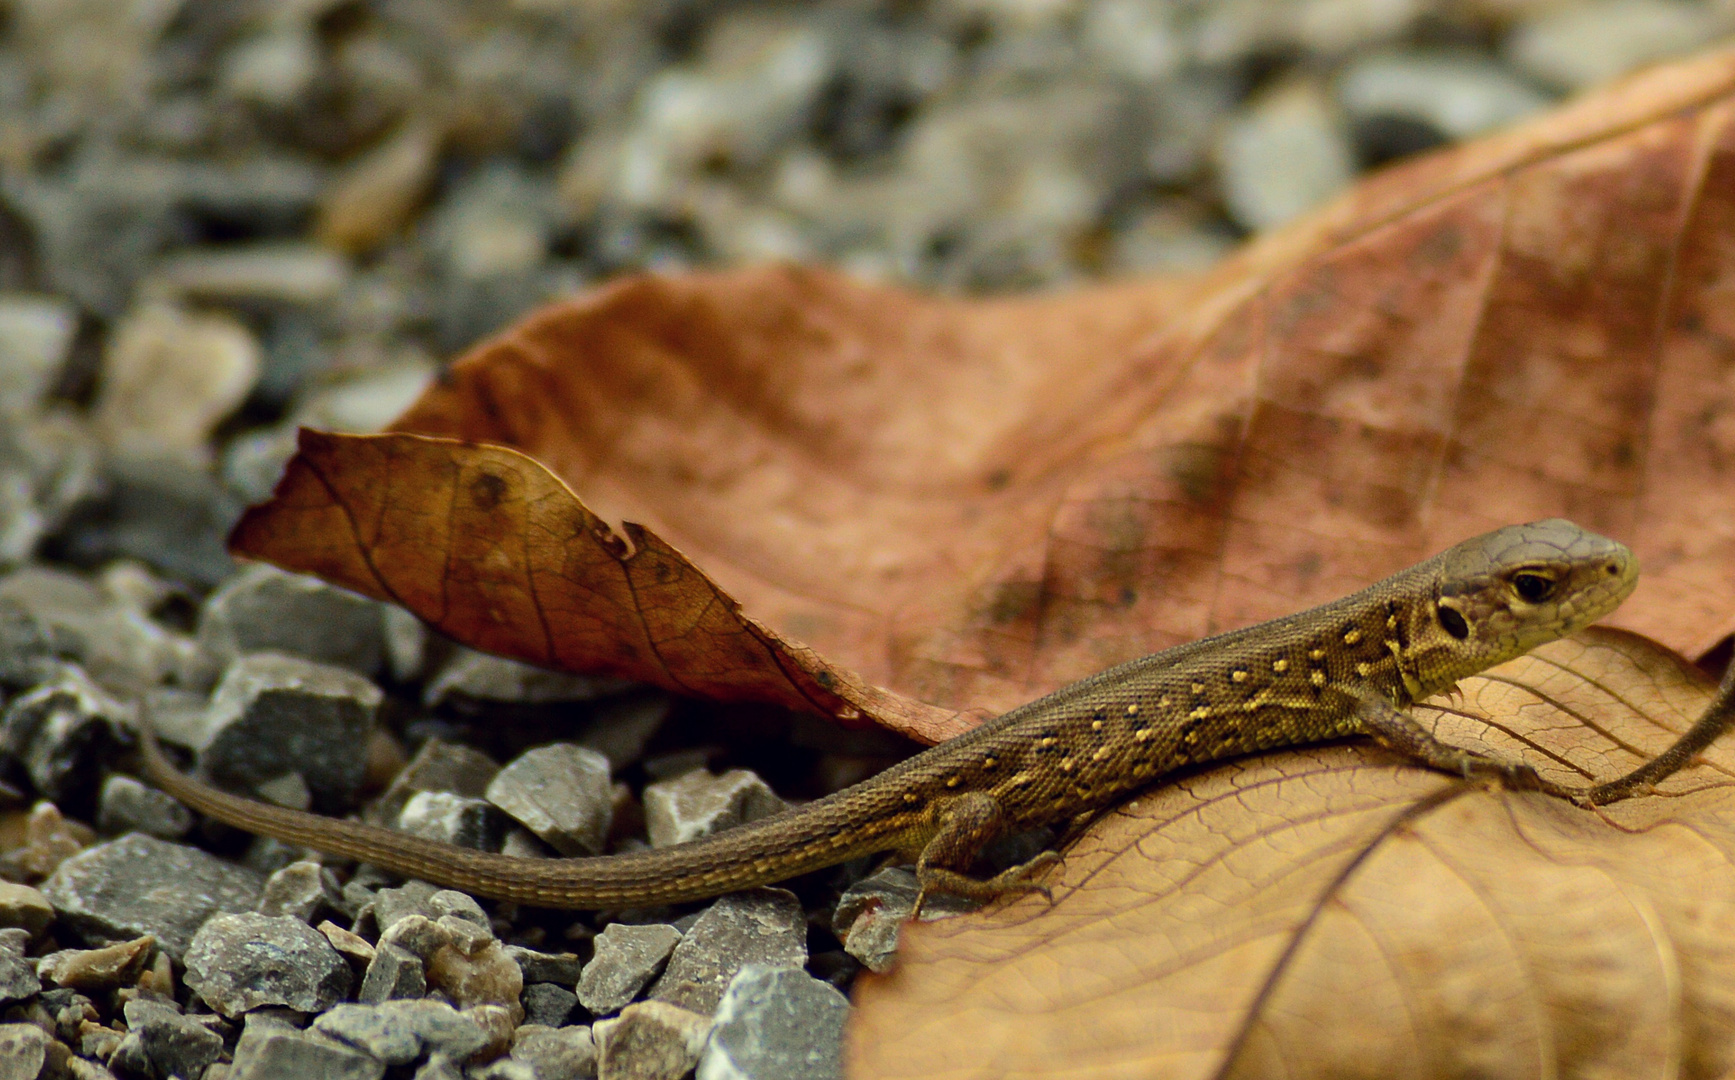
240, 962
400, 1032
1458, 94
539, 967
176, 1045
1575, 46
391, 904
303, 890
471, 677
15, 940
287, 1054
128, 805
1285, 153
24, 907
548, 1004
99, 970
458, 905
23, 1050
564, 1053
626, 959
394, 972
264, 609
776, 1023
27, 653
61, 729
140, 885
18, 979
758, 926
274, 714
698, 804
650, 1040
870, 914
115, 642
562, 793
35, 337
437, 766
452, 819
505, 1069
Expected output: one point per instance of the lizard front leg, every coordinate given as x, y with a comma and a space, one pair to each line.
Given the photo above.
964, 824
1397, 731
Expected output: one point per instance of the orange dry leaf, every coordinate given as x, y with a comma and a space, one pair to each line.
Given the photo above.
972, 502
1333, 912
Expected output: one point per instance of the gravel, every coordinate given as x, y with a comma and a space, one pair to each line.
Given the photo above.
219, 222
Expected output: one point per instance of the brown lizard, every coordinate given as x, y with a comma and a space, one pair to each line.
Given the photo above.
1350, 667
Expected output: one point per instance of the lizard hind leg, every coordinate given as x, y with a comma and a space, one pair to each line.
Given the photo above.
965, 824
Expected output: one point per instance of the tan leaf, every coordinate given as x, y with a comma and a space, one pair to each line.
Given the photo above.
1333, 912
972, 502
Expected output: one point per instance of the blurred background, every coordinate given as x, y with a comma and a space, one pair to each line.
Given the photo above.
223, 218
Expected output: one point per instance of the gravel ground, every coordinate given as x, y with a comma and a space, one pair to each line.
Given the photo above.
220, 219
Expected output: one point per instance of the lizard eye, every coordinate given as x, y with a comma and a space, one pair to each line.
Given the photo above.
1452, 621
1533, 588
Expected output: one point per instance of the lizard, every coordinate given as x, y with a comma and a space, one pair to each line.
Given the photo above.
1350, 667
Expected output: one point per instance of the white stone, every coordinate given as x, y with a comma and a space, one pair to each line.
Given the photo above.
1284, 154
35, 335
1579, 45
168, 377
286, 272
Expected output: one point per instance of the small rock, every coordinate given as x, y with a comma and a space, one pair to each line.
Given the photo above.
437, 766
24, 908
495, 223
287, 1054
439, 1067
458, 905
557, 1053
140, 885
394, 972
61, 730
23, 1050
352, 947
548, 1004
650, 1040
168, 377
127, 805
399, 1032
49, 840
390, 905
301, 890
563, 969
15, 940
776, 1024
98, 970
240, 962
264, 609
166, 513
177, 1045
562, 793
505, 1069
470, 677
1284, 154
1575, 46
417, 933
627, 958
485, 977
377, 193
18, 977
35, 337
871, 912
498, 1023
699, 804
274, 714
1458, 94
452, 819
27, 654
621, 726
758, 926
276, 272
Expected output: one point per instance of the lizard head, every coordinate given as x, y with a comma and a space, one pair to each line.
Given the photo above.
1501, 594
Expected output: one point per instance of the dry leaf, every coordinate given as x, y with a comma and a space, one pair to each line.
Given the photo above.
973, 502
1332, 912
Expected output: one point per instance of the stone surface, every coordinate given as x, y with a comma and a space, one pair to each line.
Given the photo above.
1285, 153
548, 1004
302, 890
626, 959
35, 337
698, 804
286, 1054
1458, 94
1574, 46
60, 731
293, 273
23, 1049
758, 926
437, 766
49, 840
560, 792
400, 1032
127, 805
393, 972
24, 907
18, 978
359, 951
471, 676
168, 377
274, 714
562, 969
556, 1053
240, 962
452, 819
139, 885
486, 976
650, 1040
264, 609
776, 1024
871, 912
97, 970
176, 1045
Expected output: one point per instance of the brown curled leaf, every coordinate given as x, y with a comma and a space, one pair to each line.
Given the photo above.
972, 502
1333, 912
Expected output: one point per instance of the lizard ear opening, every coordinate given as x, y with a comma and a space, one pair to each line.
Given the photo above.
1452, 621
